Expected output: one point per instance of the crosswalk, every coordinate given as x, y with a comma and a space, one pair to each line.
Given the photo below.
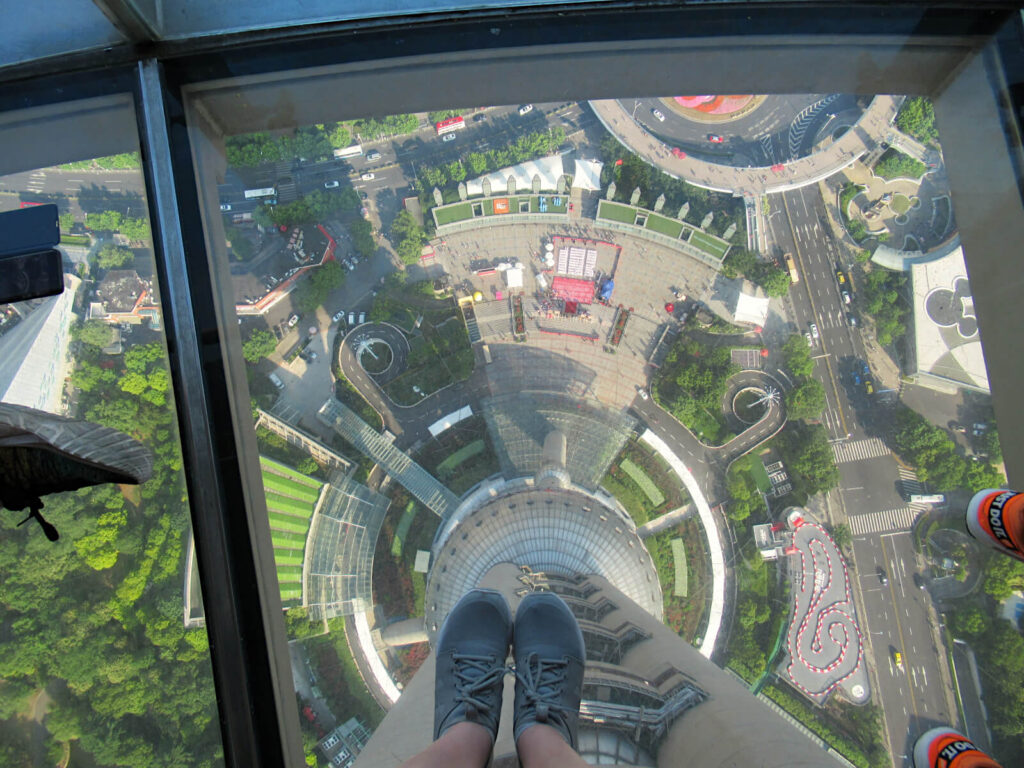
858, 450
909, 484
890, 520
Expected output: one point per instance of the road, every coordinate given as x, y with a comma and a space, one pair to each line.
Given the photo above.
897, 616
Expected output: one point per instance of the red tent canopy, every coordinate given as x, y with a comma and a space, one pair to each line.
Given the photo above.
570, 289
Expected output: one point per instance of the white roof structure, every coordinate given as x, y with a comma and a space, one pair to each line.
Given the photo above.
587, 175
751, 309
514, 277
35, 352
946, 341
548, 168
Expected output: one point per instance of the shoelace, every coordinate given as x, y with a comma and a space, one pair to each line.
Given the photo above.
542, 683
468, 687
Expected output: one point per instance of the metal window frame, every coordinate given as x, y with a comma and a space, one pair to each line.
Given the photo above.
931, 50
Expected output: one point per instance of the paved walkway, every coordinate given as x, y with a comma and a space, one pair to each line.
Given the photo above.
872, 129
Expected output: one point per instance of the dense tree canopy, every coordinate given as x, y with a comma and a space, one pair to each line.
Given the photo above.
409, 236
313, 292
113, 257
136, 230
796, 356
809, 457
316, 207
259, 344
884, 299
806, 400
740, 261
96, 617
917, 118
893, 164
362, 237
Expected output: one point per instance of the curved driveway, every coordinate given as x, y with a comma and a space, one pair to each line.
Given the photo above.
385, 332
872, 129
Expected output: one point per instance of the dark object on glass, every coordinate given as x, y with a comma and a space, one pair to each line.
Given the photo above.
41, 453
30, 266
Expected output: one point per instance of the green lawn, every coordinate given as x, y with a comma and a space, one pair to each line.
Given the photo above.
616, 212
402, 530
665, 226
279, 503
900, 204
287, 573
638, 476
452, 213
285, 540
288, 556
465, 452
280, 469
681, 588
291, 591
83, 240
288, 523
709, 244
287, 487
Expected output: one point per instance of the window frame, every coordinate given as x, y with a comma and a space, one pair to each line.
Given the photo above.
956, 55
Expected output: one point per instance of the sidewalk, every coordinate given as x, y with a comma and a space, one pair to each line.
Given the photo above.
872, 129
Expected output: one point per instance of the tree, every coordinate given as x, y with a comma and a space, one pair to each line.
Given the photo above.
113, 257
260, 344
796, 355
1003, 576
806, 401
94, 333
841, 535
969, 622
67, 221
362, 237
917, 117
307, 466
809, 457
773, 280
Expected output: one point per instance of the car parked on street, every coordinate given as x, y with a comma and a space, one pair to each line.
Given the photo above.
369, 176
373, 155
659, 116
526, 109
338, 316
332, 184
814, 331
714, 138
292, 321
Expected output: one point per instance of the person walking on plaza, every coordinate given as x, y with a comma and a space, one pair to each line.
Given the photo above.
471, 654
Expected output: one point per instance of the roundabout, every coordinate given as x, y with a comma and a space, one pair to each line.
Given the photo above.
751, 404
379, 349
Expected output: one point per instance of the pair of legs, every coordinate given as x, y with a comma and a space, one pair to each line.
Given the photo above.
470, 656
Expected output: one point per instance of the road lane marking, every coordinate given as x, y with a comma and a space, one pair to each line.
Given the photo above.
899, 628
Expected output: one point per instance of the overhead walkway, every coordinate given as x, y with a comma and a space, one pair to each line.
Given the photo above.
371, 443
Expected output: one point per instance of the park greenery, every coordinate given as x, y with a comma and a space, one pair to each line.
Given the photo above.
527, 146
855, 732
361, 233
313, 208
444, 114
113, 257
930, 450
635, 172
808, 456
806, 400
462, 456
126, 161
409, 237
96, 617
999, 646
745, 498
314, 290
136, 230
315, 142
691, 384
261, 343
893, 164
796, 356
857, 229
917, 118
684, 614
883, 295
239, 243
739, 261
93, 333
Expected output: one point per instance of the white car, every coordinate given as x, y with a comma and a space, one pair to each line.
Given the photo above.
332, 184
225, 206
367, 177
293, 321
372, 155
810, 341
448, 137
526, 109
814, 331
846, 297
338, 316
658, 115
643, 393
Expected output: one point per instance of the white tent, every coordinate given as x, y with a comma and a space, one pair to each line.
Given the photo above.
587, 175
514, 277
548, 168
751, 309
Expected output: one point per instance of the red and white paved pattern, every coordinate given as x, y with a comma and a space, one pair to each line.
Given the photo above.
825, 649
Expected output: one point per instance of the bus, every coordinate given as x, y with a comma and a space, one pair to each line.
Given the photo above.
356, 150
791, 266
259, 194
449, 125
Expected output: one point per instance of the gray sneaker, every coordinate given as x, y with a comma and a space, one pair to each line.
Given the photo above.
472, 648
549, 655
